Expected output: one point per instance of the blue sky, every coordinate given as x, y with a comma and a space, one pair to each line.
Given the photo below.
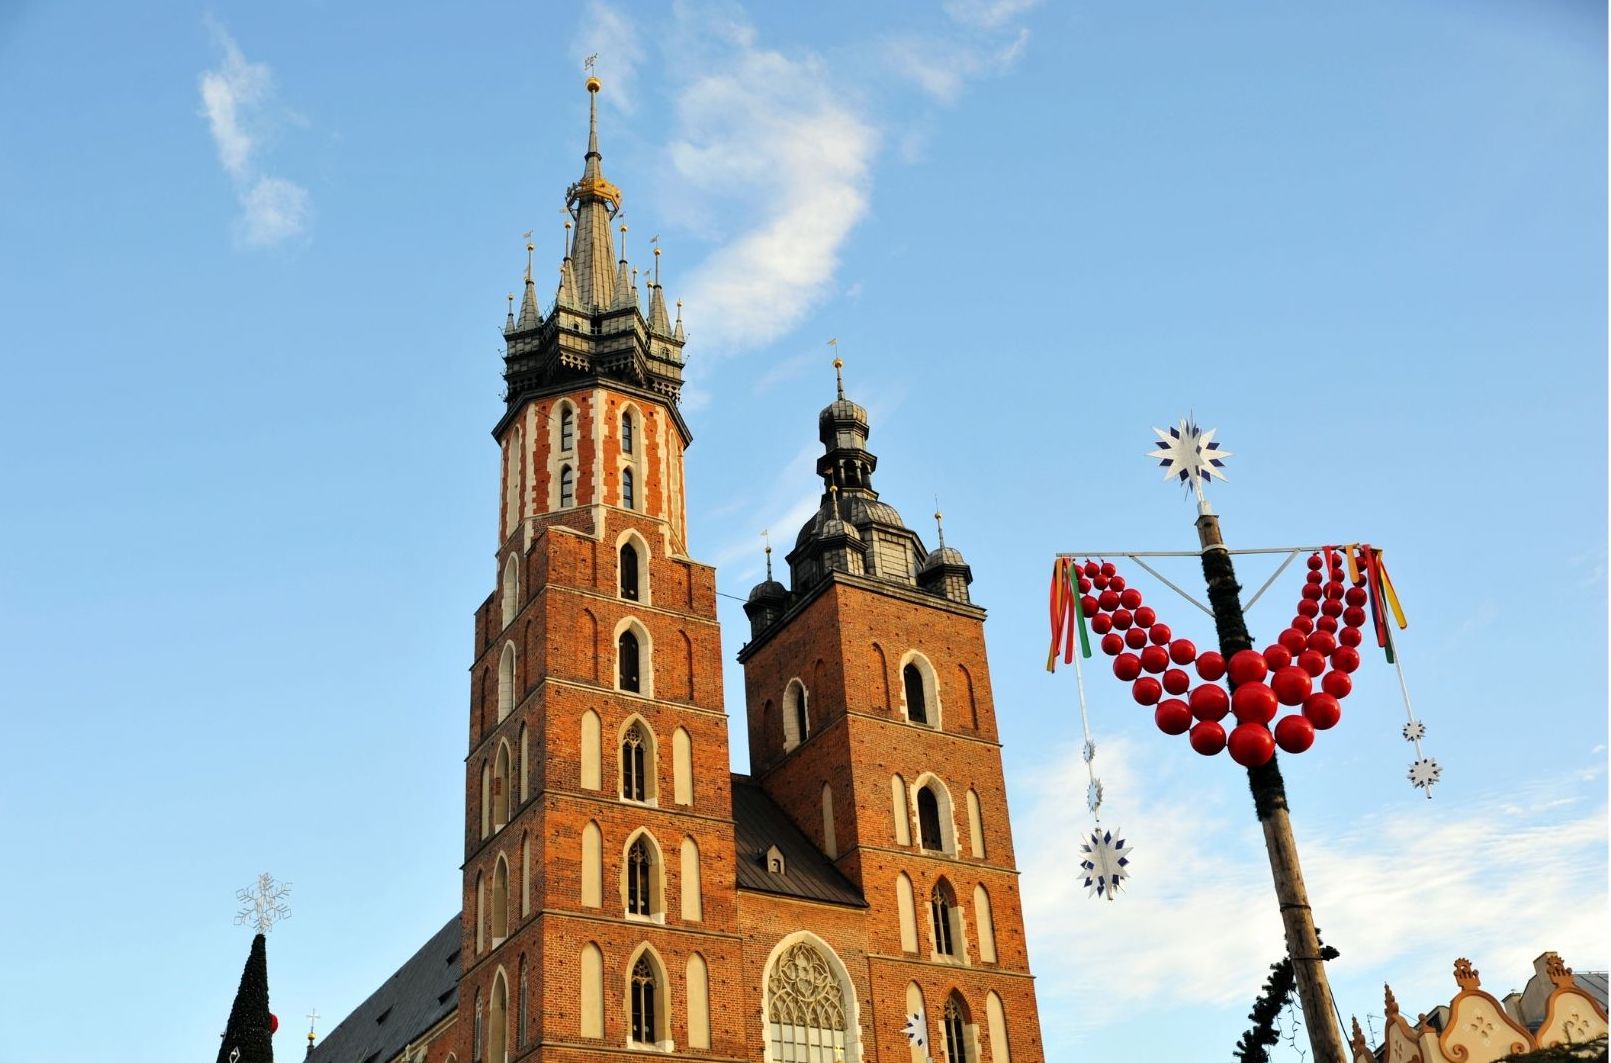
255, 261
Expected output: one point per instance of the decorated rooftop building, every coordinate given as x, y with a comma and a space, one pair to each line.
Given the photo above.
855, 897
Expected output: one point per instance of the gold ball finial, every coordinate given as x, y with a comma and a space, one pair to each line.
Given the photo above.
531, 246
593, 83
838, 363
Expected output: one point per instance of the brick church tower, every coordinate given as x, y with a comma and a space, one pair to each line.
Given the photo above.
623, 892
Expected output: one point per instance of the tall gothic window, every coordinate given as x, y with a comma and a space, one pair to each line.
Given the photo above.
567, 429
916, 709
941, 905
629, 661
801, 724
626, 489
956, 1037
626, 433
639, 867
634, 749
805, 1009
928, 820
629, 572
567, 487
475, 1044
520, 1008
644, 1028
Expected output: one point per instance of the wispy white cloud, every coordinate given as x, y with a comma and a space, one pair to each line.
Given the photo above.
606, 31
1402, 891
984, 39
771, 145
987, 14
236, 97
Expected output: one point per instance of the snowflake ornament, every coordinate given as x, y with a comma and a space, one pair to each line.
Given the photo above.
915, 1030
1189, 454
1093, 795
1106, 862
1414, 731
1425, 772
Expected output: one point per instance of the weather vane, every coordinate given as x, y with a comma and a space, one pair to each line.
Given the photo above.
590, 62
263, 905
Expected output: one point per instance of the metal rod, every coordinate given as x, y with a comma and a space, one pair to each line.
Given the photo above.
1165, 581
1279, 569
1186, 553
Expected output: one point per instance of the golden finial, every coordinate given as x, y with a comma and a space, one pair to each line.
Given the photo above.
656, 262
567, 238
838, 366
530, 247
939, 518
593, 83
766, 533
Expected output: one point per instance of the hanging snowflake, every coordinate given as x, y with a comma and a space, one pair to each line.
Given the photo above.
915, 1030
1106, 862
1414, 731
1425, 772
1093, 796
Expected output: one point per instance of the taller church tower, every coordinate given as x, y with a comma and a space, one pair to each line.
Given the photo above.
598, 849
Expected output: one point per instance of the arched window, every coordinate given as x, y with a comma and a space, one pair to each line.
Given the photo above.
517, 793
520, 1007
506, 680
996, 1016
486, 798
698, 989
830, 844
635, 764
567, 429
475, 1040
525, 875
942, 912
627, 661
916, 704
498, 1024
627, 442
682, 767
629, 572
511, 590
906, 906
903, 818
500, 901
805, 1012
796, 717
567, 487
626, 489
645, 1023
984, 924
688, 885
914, 1006
592, 866
480, 913
928, 820
640, 879
592, 991
592, 750
955, 1024
500, 787
976, 844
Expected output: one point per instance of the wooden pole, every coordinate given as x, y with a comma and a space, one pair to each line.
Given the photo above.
1270, 802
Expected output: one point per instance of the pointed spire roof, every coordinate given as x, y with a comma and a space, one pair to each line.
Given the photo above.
594, 201
249, 1036
659, 320
530, 315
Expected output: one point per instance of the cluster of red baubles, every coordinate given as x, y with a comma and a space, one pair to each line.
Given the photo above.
1145, 653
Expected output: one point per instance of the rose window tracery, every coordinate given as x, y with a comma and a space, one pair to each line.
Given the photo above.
806, 1008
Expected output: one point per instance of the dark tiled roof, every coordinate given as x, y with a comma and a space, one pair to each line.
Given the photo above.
422, 992
758, 824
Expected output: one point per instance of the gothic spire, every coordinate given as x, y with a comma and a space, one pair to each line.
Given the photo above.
594, 202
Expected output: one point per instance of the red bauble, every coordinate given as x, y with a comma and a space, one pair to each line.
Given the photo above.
1312, 592
1251, 745
1101, 623
1107, 601
274, 1024
1116, 582
1350, 636
1291, 685
1294, 733
1127, 666
1146, 616
1130, 598
1314, 576
1356, 596
1322, 710
1354, 616
1315, 562
1154, 659
1327, 624
1108, 569
1210, 665
1099, 582
1176, 682
1210, 702
1122, 619
1337, 684
1334, 590
1147, 690
1182, 651
1172, 717
1331, 607
1334, 558
1208, 738
1112, 644
1293, 641
1088, 606
1345, 658
1303, 624
1092, 568
1253, 703
1085, 585
1312, 661
1308, 608
1160, 634
1277, 656
1322, 642
1247, 666
1135, 638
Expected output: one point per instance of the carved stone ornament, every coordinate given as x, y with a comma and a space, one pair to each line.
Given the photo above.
1465, 975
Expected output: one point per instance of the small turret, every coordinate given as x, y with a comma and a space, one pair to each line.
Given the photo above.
768, 599
944, 571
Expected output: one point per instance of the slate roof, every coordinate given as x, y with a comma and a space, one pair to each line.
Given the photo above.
419, 995
758, 824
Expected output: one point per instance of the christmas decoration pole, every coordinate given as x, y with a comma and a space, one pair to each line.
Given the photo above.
1195, 457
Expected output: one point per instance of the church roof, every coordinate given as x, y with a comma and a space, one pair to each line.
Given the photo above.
759, 824
422, 993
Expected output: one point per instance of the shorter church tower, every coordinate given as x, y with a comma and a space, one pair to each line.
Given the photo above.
872, 725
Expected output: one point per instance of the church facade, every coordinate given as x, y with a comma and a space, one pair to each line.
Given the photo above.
855, 897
